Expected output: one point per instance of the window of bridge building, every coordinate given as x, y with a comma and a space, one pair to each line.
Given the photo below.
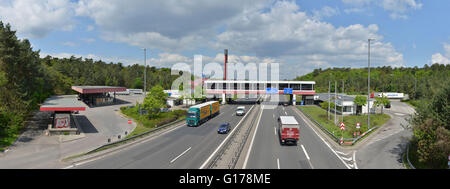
211, 86
247, 86
283, 85
295, 86
269, 85
307, 87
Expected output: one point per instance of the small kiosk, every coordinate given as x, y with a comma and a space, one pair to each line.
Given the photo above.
61, 108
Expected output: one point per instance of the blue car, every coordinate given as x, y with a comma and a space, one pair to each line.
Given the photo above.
224, 128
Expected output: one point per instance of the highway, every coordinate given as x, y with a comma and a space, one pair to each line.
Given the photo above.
310, 153
182, 148
189, 147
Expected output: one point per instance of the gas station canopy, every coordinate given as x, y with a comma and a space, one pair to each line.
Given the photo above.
97, 89
63, 103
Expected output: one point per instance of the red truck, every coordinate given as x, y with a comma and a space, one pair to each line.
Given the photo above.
288, 130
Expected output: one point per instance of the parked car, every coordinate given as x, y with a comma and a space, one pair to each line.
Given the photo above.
224, 128
388, 105
285, 104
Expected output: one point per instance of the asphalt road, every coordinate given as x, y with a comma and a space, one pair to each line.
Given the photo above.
182, 148
310, 153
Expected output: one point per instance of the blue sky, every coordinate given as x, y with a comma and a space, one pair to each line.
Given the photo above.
300, 35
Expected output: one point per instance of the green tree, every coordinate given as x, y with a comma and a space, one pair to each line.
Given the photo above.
360, 101
432, 130
155, 100
382, 101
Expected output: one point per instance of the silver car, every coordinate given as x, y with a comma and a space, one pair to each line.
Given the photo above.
240, 111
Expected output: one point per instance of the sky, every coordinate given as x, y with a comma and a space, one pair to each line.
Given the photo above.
300, 35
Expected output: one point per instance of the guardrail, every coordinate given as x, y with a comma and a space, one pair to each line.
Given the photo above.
241, 143
135, 136
407, 156
351, 141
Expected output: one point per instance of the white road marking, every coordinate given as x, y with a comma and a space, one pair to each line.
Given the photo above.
223, 142
354, 160
253, 139
285, 112
347, 159
307, 157
275, 130
278, 163
342, 153
326, 143
173, 160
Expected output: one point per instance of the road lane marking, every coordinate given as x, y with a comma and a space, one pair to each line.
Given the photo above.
285, 112
278, 163
173, 160
306, 153
326, 143
275, 130
223, 142
354, 160
253, 139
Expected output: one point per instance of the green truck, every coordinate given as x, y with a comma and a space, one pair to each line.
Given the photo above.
201, 113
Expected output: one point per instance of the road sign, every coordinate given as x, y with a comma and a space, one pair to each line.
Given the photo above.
342, 126
287, 90
342, 140
272, 90
129, 121
358, 125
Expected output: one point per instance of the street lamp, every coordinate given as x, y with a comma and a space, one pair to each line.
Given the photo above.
368, 88
145, 72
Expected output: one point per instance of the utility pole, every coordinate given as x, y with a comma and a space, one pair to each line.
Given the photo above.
335, 89
145, 72
342, 102
368, 89
329, 91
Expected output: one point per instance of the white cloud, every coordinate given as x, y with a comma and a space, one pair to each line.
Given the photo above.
398, 8
69, 44
90, 28
169, 25
326, 11
36, 19
302, 43
88, 40
441, 59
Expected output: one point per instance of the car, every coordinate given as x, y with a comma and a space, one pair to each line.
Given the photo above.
285, 104
388, 105
240, 111
224, 128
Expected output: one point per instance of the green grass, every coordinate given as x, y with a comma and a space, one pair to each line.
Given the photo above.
350, 121
144, 123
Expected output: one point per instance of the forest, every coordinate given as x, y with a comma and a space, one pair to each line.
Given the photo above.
26, 80
418, 83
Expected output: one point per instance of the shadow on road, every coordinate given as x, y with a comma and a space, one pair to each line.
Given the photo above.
85, 124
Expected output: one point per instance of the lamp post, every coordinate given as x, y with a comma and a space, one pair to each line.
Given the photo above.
368, 88
145, 72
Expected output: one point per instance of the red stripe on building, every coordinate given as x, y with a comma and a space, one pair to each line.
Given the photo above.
62, 109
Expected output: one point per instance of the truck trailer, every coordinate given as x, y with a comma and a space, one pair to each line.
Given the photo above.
201, 113
288, 130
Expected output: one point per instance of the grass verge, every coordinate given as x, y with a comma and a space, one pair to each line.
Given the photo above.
350, 121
